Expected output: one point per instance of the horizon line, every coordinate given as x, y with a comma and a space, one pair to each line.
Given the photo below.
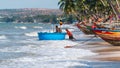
29, 8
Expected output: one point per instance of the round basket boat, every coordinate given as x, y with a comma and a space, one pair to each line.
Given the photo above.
51, 36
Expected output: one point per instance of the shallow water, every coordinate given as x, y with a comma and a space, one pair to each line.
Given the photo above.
20, 48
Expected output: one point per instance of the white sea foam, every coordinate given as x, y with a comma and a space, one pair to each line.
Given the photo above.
40, 64
48, 30
3, 37
45, 54
27, 52
21, 27
37, 27
31, 34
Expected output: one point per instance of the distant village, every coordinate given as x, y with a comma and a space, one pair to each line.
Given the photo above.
30, 15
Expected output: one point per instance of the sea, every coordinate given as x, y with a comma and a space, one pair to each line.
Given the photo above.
20, 48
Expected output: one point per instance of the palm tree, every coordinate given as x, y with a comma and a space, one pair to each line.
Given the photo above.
83, 8
113, 4
67, 6
117, 1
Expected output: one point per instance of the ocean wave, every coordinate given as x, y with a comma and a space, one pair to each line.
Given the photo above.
31, 34
3, 37
37, 27
21, 27
44, 54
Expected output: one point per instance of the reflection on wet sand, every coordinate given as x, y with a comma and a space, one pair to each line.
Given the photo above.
104, 50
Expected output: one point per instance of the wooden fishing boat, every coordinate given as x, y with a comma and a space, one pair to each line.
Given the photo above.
110, 36
85, 29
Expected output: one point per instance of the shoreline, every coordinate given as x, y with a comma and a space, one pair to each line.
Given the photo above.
104, 51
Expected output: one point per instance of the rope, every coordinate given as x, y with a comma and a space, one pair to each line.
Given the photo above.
81, 42
88, 39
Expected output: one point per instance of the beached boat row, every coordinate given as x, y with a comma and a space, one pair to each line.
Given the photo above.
109, 35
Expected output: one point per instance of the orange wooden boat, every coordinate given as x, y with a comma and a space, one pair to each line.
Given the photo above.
110, 36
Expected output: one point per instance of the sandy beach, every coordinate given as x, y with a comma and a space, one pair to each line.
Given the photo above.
104, 50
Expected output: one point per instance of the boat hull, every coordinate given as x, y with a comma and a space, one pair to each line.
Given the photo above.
110, 36
85, 29
51, 36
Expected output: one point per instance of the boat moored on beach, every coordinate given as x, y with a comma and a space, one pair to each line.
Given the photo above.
85, 29
110, 36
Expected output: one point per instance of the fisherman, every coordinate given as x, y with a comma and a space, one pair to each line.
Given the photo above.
58, 29
60, 22
70, 35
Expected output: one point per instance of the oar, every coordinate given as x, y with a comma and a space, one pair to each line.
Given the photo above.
81, 42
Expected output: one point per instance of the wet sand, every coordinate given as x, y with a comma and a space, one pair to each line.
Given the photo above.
104, 50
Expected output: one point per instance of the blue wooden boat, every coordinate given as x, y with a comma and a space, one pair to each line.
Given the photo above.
51, 36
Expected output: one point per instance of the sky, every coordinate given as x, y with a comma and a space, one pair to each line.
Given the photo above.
13, 4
